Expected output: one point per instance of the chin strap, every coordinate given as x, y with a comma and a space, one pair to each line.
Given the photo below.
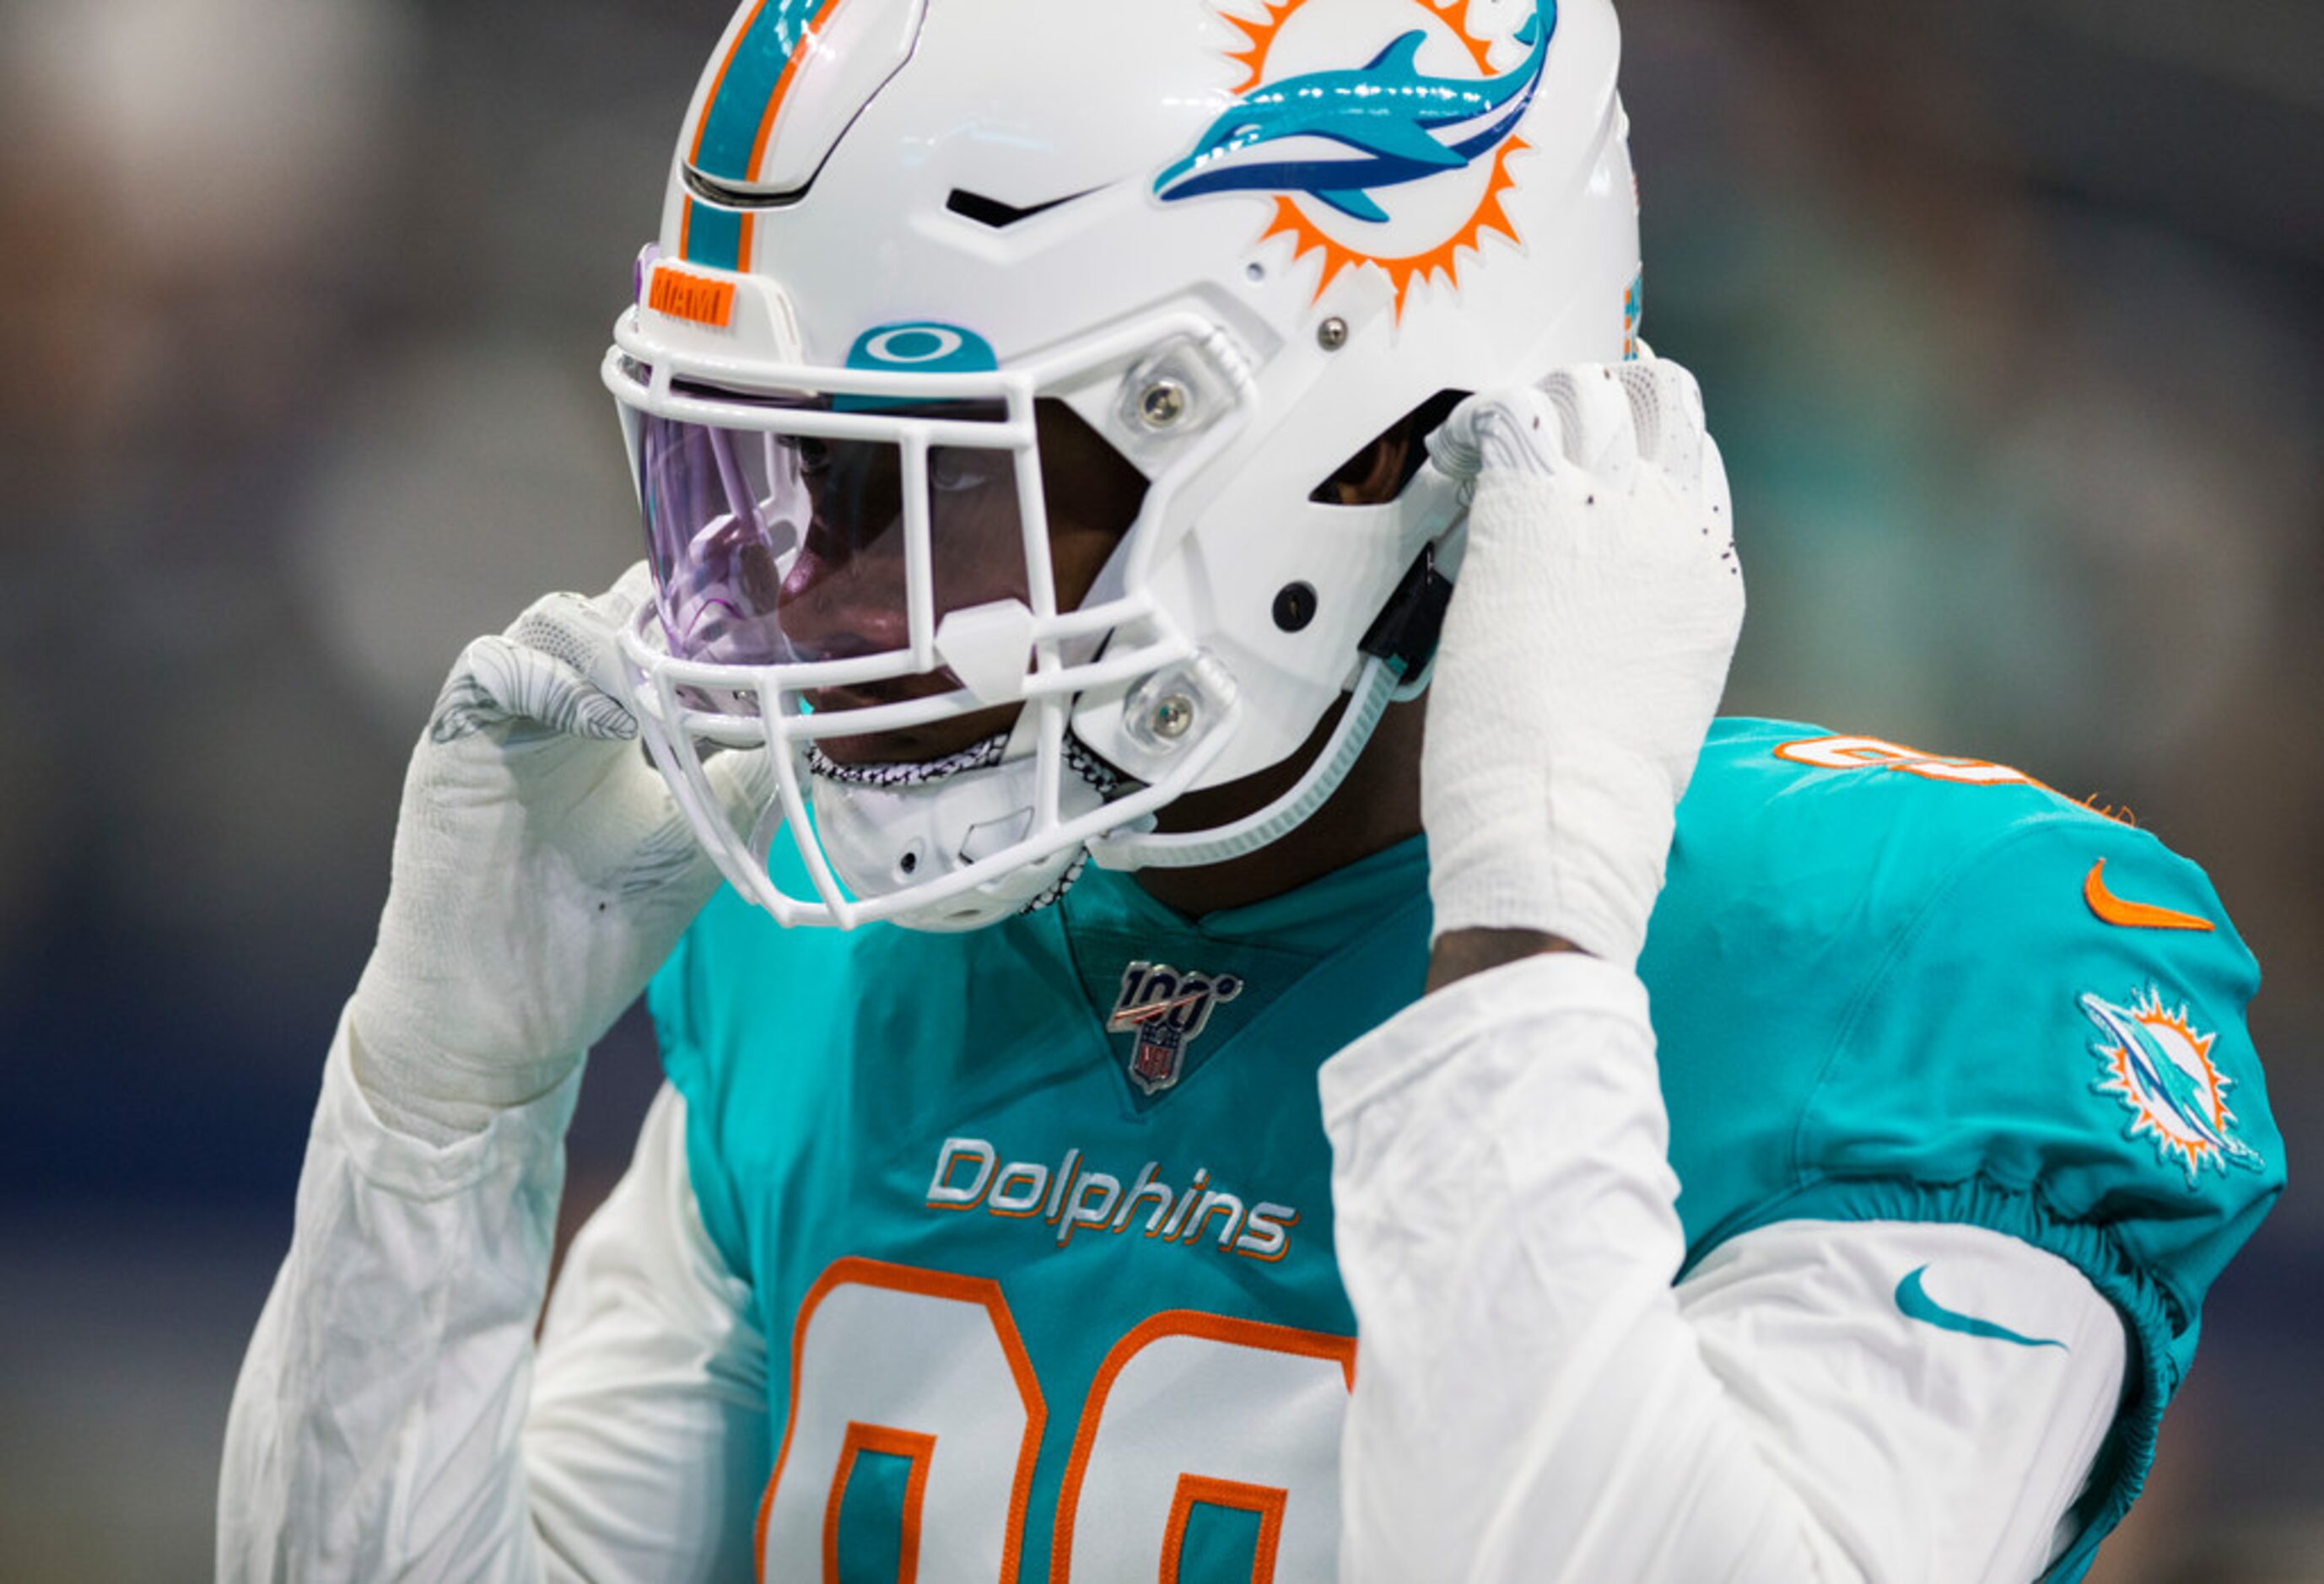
1376, 686
1398, 652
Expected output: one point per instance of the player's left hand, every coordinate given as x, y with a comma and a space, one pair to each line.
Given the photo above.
1596, 612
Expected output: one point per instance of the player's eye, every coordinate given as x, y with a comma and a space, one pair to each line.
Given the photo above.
814, 455
953, 471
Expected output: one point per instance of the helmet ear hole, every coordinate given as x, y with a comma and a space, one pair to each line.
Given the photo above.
1381, 467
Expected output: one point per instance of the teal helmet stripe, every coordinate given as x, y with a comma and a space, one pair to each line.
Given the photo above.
749, 84
714, 237
743, 99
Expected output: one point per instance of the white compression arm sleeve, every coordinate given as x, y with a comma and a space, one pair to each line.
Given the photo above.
379, 1428
647, 1443
1536, 1401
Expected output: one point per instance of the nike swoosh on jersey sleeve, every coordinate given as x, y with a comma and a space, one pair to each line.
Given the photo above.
2113, 909
1913, 1298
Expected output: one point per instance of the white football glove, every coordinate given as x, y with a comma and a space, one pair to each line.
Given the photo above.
542, 872
1582, 658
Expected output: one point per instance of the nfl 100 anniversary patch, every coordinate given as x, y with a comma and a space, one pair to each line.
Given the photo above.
1168, 1010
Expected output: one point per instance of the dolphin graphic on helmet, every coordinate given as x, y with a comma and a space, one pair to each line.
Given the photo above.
1335, 136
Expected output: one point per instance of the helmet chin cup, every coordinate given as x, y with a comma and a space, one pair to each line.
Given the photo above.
885, 840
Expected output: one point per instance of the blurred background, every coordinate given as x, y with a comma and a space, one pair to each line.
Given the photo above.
2009, 312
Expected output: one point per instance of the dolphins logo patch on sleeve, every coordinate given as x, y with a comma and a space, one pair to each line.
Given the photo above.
1361, 159
2159, 1067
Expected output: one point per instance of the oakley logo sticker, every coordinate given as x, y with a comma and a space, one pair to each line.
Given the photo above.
923, 349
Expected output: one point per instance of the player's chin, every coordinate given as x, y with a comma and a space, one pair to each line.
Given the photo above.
914, 745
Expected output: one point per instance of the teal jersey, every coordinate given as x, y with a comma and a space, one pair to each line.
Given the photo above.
1061, 1187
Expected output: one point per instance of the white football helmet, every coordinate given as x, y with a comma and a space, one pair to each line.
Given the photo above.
1239, 241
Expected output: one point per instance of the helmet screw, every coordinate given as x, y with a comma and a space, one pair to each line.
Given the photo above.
1295, 607
1162, 403
1332, 334
1173, 714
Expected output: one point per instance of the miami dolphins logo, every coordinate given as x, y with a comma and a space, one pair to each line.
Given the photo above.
1362, 160
2160, 1069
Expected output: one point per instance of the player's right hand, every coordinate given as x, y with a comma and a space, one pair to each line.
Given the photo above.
542, 871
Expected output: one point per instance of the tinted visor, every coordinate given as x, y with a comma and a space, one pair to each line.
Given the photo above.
774, 546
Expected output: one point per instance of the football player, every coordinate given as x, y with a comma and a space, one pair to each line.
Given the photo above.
1138, 1106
